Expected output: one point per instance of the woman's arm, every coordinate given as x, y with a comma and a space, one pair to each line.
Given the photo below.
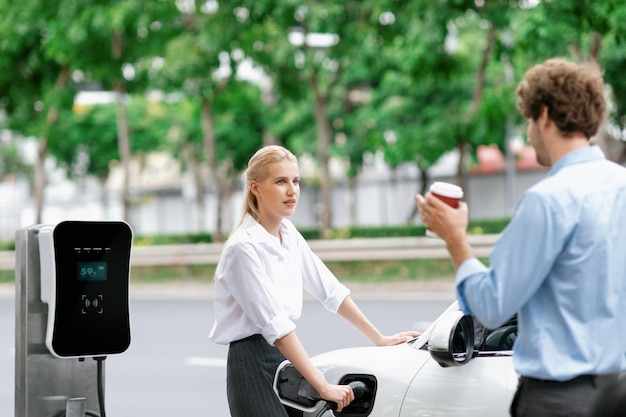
351, 312
290, 346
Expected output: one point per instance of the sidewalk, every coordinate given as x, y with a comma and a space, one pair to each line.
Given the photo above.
439, 289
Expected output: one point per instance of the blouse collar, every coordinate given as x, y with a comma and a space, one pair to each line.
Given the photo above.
260, 235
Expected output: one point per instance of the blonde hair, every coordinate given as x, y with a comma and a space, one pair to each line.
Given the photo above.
258, 169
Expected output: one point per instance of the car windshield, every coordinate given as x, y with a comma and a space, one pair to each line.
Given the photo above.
495, 340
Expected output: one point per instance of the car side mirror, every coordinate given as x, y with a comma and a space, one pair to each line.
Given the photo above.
451, 342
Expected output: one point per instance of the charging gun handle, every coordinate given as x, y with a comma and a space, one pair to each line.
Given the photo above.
358, 387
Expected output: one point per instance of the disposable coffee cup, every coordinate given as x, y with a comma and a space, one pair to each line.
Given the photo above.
450, 194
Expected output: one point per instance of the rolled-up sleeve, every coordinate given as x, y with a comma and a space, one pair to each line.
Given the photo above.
277, 328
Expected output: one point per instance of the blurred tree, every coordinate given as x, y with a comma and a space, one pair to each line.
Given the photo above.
201, 60
12, 163
316, 52
102, 43
85, 139
453, 61
439, 68
34, 86
411, 79
48, 51
239, 128
585, 31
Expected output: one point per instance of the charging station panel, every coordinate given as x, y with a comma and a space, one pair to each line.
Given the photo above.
85, 271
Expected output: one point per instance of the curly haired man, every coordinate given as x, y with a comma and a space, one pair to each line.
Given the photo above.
560, 264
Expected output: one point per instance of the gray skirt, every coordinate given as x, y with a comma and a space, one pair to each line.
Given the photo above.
250, 369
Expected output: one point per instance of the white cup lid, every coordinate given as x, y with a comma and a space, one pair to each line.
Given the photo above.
446, 189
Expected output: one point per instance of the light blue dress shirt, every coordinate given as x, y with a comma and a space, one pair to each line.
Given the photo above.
561, 265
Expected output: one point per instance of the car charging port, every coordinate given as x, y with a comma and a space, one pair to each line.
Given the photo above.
295, 391
364, 387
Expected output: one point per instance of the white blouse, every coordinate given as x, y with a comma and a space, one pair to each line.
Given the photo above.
259, 283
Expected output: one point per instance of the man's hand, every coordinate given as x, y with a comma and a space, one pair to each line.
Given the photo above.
450, 224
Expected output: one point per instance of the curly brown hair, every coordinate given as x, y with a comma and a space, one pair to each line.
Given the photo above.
573, 94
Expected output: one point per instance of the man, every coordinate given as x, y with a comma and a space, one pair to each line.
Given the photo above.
560, 264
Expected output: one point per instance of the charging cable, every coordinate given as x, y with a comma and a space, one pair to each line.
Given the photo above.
100, 360
100, 386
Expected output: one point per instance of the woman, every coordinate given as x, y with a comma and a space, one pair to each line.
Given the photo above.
264, 268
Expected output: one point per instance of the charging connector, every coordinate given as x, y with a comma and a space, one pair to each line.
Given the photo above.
295, 391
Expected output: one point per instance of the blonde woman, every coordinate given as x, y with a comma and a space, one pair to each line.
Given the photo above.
264, 268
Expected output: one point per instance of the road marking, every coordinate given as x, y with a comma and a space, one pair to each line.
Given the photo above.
212, 362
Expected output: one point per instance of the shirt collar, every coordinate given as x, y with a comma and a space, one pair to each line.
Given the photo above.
259, 234
579, 156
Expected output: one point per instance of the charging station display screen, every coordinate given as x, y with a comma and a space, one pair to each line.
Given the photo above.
92, 271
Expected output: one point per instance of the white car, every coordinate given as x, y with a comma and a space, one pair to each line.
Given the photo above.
455, 368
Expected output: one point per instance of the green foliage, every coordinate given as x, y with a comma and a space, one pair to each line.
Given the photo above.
7, 276
381, 271
354, 271
161, 239
85, 138
478, 226
239, 125
27, 76
12, 162
7, 245
584, 30
401, 78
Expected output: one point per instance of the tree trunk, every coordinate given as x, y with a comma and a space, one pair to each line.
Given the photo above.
42, 148
352, 183
424, 180
198, 184
475, 103
208, 131
459, 177
123, 144
40, 178
323, 151
193, 186
268, 98
123, 132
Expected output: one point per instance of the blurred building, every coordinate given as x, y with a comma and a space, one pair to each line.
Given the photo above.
163, 204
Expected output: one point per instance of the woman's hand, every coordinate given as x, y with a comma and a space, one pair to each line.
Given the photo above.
397, 338
290, 346
342, 395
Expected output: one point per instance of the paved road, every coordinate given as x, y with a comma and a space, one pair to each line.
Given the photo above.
172, 369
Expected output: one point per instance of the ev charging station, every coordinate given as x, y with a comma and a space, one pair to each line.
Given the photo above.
72, 311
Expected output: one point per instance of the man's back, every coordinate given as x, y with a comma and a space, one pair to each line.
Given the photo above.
578, 305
